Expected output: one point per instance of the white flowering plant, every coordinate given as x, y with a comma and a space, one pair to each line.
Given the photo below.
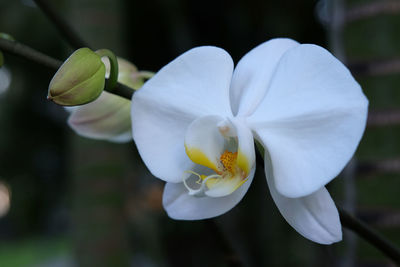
196, 120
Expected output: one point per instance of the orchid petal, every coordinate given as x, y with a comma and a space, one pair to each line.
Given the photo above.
193, 85
314, 216
204, 143
107, 118
253, 74
311, 120
181, 206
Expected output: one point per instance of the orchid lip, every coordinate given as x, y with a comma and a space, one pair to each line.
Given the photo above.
227, 177
214, 185
202, 181
212, 143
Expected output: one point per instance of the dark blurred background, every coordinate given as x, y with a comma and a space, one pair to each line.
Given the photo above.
69, 201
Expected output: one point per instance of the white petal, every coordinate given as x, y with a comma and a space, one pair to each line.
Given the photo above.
179, 205
314, 216
204, 143
311, 120
253, 74
106, 118
193, 85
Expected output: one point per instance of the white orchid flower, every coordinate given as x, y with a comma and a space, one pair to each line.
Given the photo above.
108, 117
196, 120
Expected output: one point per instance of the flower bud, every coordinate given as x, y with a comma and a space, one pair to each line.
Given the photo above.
79, 80
108, 117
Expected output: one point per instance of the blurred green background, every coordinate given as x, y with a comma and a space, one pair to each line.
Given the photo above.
79, 202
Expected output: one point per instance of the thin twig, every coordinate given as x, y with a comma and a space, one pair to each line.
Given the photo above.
371, 236
384, 117
230, 256
336, 28
383, 217
381, 166
62, 26
371, 9
31, 54
375, 67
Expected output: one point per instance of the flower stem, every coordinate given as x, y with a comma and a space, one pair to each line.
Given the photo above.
370, 235
231, 257
113, 79
62, 26
31, 54
6, 36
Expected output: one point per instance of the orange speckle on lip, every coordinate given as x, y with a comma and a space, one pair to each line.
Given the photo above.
228, 160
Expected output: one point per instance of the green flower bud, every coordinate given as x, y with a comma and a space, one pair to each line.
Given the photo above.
79, 80
109, 116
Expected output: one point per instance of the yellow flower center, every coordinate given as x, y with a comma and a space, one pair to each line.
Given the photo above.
229, 174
